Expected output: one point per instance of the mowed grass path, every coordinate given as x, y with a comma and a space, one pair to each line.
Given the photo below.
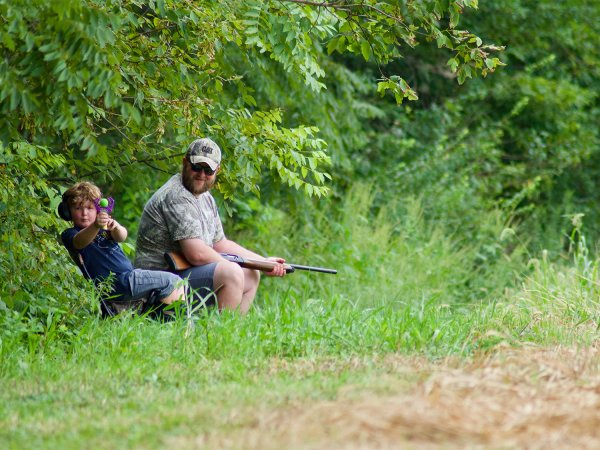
527, 398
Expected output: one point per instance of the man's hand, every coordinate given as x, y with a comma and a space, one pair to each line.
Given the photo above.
279, 269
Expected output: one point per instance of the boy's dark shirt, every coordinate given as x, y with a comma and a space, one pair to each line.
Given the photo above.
101, 257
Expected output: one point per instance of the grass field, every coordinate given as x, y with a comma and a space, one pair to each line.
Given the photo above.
135, 384
416, 343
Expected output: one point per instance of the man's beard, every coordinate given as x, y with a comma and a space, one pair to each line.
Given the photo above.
196, 187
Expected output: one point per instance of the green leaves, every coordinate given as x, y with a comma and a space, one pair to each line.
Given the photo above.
288, 36
110, 82
374, 30
295, 155
398, 87
32, 271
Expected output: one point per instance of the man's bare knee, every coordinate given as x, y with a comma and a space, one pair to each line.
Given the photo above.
252, 276
251, 281
228, 273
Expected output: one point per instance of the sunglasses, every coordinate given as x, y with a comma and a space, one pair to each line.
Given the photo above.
202, 168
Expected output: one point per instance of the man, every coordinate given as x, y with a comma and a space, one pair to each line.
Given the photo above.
182, 216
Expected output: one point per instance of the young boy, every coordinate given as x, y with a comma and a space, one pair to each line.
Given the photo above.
94, 238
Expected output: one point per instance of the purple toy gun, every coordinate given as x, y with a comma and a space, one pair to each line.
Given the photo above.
104, 205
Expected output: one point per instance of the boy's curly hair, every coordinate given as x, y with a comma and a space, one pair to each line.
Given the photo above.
81, 192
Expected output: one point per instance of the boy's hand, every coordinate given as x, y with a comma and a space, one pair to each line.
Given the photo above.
117, 231
102, 220
111, 224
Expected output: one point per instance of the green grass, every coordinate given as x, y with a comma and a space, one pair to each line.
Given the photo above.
133, 382
404, 287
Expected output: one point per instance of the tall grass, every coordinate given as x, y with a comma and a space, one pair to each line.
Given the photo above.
558, 302
396, 256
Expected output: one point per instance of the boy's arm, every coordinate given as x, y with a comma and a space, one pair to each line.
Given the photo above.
85, 236
88, 234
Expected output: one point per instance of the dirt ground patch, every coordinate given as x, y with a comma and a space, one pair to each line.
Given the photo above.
528, 398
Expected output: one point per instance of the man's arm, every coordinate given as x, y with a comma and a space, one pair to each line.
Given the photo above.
229, 246
198, 253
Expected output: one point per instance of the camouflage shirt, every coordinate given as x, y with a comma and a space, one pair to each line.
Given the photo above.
173, 213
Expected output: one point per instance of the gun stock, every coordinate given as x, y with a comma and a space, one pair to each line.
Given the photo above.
177, 262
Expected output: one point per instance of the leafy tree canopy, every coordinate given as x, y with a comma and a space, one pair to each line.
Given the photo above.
108, 84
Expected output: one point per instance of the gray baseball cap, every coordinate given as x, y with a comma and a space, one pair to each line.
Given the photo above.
204, 151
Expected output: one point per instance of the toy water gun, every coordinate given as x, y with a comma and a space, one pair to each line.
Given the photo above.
104, 205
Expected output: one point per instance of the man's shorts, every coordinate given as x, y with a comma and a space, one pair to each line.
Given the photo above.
159, 284
200, 280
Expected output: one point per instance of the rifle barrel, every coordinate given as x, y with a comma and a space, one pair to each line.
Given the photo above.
313, 269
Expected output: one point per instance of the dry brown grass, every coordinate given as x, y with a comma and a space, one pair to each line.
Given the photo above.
529, 398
